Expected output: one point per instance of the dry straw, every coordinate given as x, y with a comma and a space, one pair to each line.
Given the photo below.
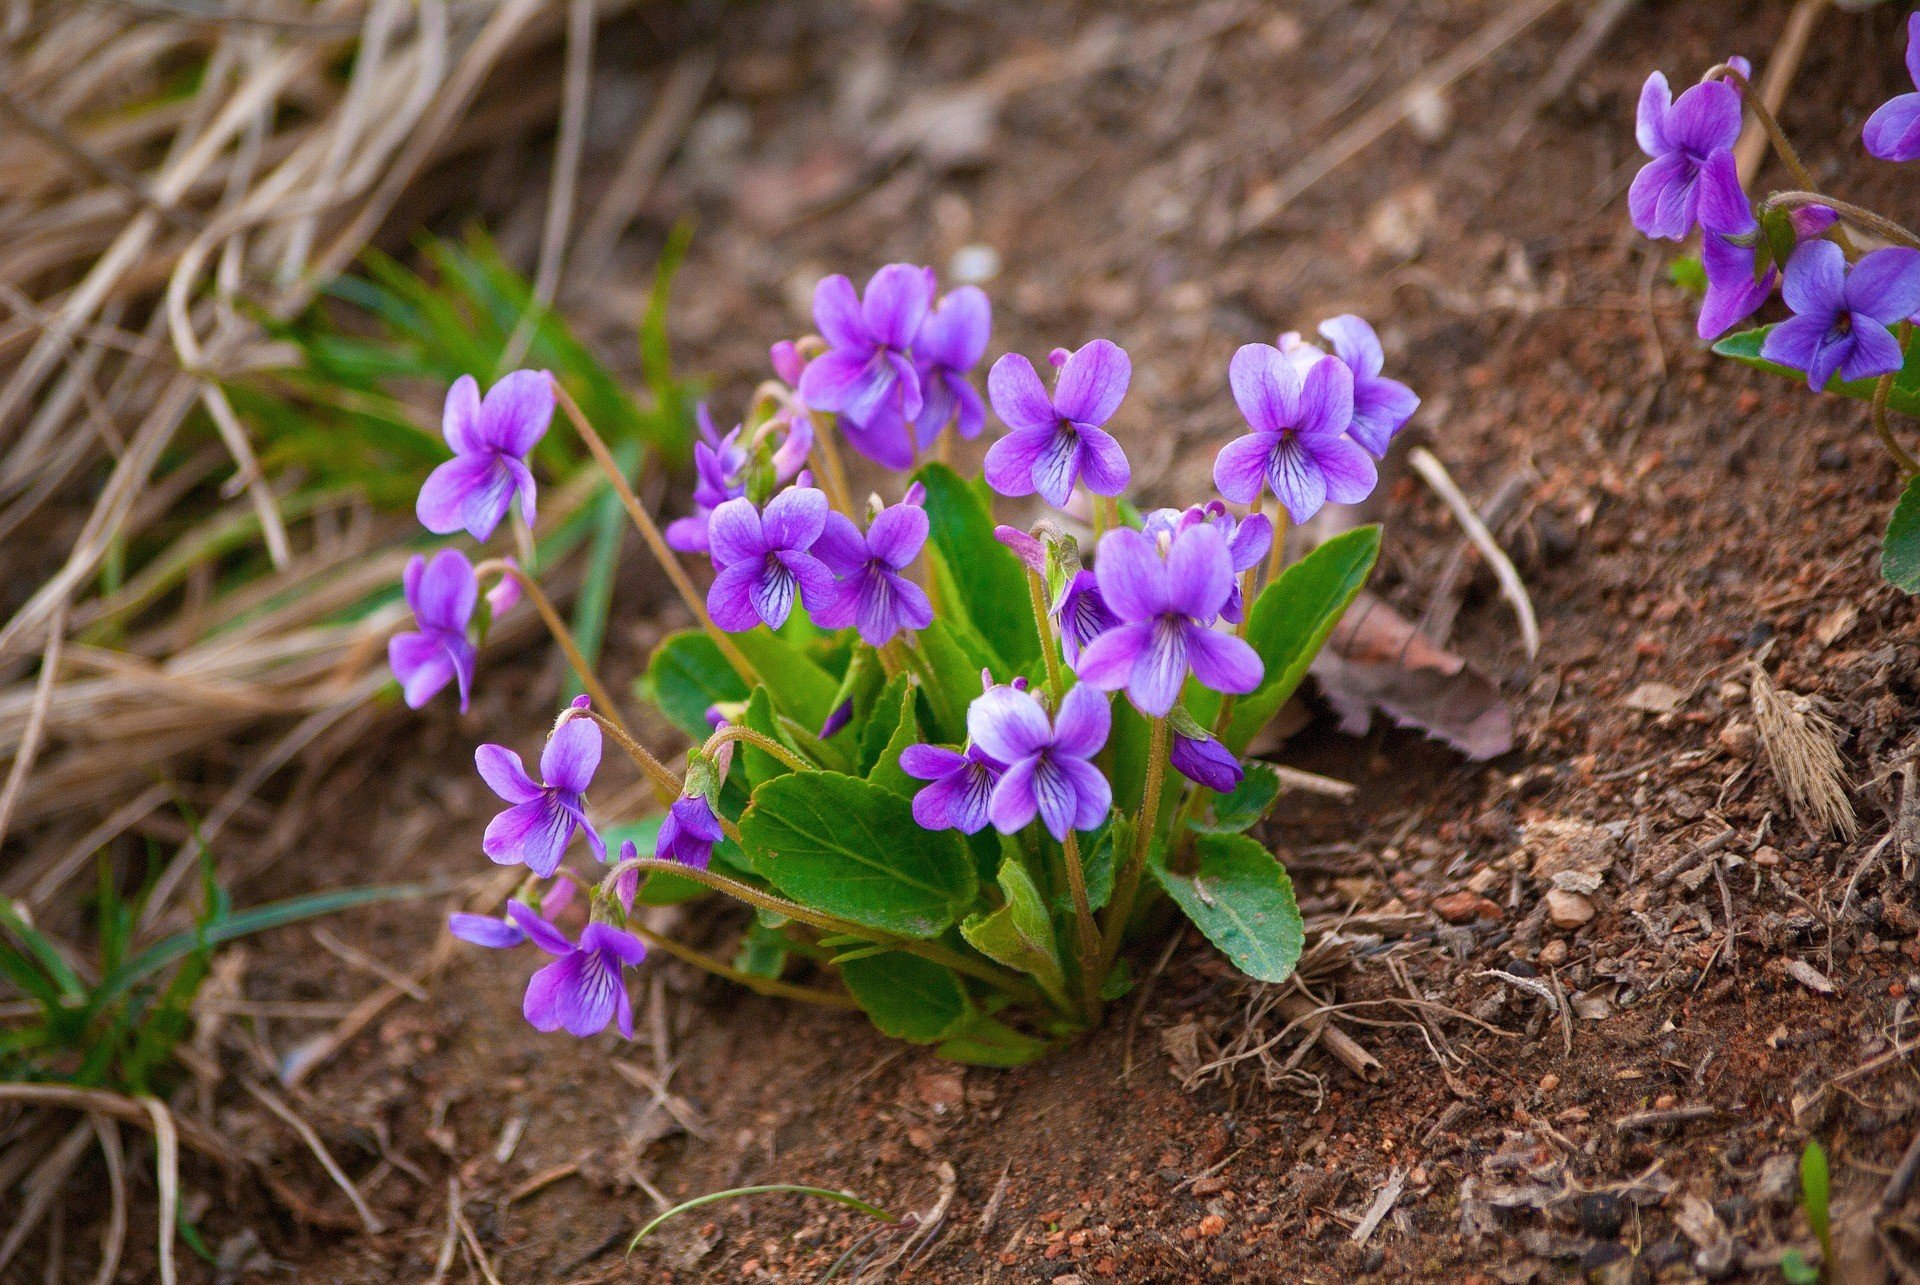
1803, 749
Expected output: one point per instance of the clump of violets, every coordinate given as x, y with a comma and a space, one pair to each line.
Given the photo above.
1848, 277
906, 753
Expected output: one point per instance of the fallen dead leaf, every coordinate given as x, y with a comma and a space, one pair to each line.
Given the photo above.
1809, 976
1655, 698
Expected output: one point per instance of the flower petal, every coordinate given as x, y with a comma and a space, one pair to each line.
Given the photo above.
516, 412
447, 592
1080, 728
501, 769
1223, 662
532, 834
1265, 387
841, 546
1796, 342
1875, 351
1199, 572
1348, 470
1054, 791
1658, 198
1092, 383
1107, 663
1650, 121
1008, 724
421, 664
1093, 796
574, 993
794, 518
1010, 462
1240, 469
1354, 343
1103, 465
834, 378
771, 593
896, 302
1893, 131
836, 310
445, 496
572, 755
1132, 578
485, 930
730, 596
1885, 285
1705, 118
955, 333
1381, 407
897, 534
884, 437
460, 417
538, 930
1724, 207
1815, 284
1161, 669
1326, 400
1018, 396
1296, 479
1012, 804
931, 762
735, 533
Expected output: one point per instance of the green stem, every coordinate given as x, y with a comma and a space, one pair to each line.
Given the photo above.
1091, 975
832, 471
1276, 558
737, 732
1775, 135
773, 1188
1042, 621
752, 981
555, 626
666, 786
1127, 881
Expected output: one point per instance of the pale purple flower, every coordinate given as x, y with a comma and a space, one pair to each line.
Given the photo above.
583, 988
1207, 762
1248, 539
491, 439
442, 593
1057, 439
1166, 609
1680, 135
1381, 407
787, 362
485, 930
688, 833
721, 465
1081, 615
1893, 132
951, 343
1735, 290
871, 593
1024, 546
1841, 315
763, 559
543, 818
866, 365
1299, 445
962, 785
1049, 768
505, 594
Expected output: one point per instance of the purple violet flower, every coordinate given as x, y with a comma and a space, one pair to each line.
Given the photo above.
763, 559
1166, 608
866, 363
1299, 445
786, 361
962, 785
582, 989
1893, 132
951, 343
491, 439
688, 833
1057, 439
485, 930
505, 594
841, 715
870, 593
1049, 768
1734, 290
1207, 762
1248, 539
542, 820
1081, 615
442, 593
1381, 407
1841, 316
720, 467
1680, 135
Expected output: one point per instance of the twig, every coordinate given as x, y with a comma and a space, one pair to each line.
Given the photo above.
1435, 473
166, 1146
450, 1244
1344, 1049
354, 957
113, 1239
640, 167
1599, 24
1382, 1203
36, 716
1774, 84
293, 1121
1640, 1120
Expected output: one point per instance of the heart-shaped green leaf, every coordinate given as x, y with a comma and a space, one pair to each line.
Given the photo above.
1242, 899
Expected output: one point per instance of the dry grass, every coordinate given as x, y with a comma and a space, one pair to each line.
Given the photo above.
1803, 749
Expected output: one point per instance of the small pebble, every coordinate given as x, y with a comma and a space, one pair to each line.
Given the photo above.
1549, 1082
1833, 458
1568, 910
1554, 953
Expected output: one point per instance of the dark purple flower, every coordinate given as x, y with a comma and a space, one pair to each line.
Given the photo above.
1049, 768
1735, 290
1207, 762
688, 833
1165, 609
841, 715
535, 831
870, 593
1841, 316
582, 989
1381, 407
1081, 615
1248, 539
866, 364
763, 559
491, 440
962, 786
485, 930
1893, 132
442, 593
1058, 440
951, 343
1680, 136
1299, 445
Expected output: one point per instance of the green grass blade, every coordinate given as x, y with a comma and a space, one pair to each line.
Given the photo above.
776, 1188
44, 951
603, 564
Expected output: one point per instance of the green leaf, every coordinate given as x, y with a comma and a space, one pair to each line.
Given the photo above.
1292, 619
991, 584
1689, 274
1744, 347
686, 674
907, 997
988, 1041
1020, 933
1814, 1193
1250, 800
886, 771
1798, 1271
759, 765
798, 686
1900, 550
44, 951
852, 849
880, 724
1241, 898
603, 564
956, 678
1097, 859
763, 951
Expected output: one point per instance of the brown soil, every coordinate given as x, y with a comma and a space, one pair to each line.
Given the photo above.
1679, 514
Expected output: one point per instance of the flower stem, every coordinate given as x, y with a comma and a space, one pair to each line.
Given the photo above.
1091, 974
1882, 389
998, 978
736, 732
1127, 881
1866, 220
752, 981
1037, 598
555, 626
832, 471
1777, 136
666, 786
655, 542
1276, 555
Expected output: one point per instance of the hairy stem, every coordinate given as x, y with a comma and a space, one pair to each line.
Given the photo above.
1276, 556
655, 541
1864, 219
1042, 621
1126, 881
832, 471
752, 981
1091, 974
555, 626
1777, 136
666, 786
736, 732
1882, 389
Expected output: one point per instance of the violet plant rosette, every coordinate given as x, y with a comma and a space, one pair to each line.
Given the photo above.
950, 762
1848, 276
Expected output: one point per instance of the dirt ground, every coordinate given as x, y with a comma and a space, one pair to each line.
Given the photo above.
1625, 1099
